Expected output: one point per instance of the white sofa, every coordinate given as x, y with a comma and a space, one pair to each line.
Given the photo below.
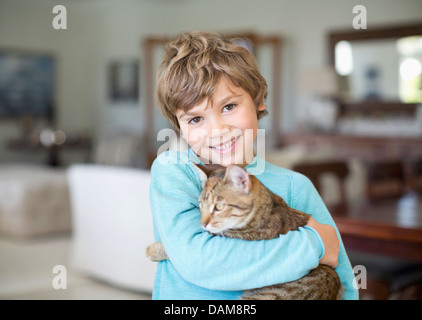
111, 225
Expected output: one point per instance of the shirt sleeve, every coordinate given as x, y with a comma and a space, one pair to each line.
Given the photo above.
215, 262
307, 199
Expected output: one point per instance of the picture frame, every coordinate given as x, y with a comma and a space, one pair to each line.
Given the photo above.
123, 81
27, 84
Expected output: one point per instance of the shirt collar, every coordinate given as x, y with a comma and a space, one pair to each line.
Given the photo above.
256, 166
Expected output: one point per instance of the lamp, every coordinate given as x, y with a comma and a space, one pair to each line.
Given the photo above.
321, 87
320, 82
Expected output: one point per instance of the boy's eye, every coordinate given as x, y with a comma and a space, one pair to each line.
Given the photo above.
229, 107
194, 120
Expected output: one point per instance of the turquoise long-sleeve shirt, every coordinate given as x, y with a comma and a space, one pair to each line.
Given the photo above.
204, 266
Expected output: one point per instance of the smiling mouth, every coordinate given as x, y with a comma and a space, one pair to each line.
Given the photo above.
226, 147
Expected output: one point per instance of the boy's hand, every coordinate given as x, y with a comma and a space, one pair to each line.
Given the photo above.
331, 243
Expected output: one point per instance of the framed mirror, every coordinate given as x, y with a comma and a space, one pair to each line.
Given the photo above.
378, 68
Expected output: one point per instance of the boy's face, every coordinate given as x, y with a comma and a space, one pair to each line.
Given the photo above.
222, 129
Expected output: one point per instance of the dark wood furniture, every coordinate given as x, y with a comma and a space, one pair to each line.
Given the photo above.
73, 143
314, 171
415, 175
388, 226
400, 157
385, 236
381, 228
361, 147
387, 241
385, 179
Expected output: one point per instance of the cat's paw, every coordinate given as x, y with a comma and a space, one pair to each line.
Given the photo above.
155, 252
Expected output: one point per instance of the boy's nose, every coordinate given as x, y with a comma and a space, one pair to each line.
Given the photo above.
217, 126
219, 130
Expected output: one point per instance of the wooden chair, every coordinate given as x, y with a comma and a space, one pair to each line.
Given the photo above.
385, 179
415, 175
315, 170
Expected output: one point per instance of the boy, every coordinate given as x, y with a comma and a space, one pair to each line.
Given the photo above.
210, 89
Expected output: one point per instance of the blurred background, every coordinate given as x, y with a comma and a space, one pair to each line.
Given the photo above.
78, 132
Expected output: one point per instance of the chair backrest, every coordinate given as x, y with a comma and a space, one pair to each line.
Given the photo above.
385, 179
315, 170
415, 175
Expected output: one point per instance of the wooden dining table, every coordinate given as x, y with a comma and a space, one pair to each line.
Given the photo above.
389, 227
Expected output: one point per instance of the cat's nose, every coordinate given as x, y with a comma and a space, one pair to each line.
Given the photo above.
205, 221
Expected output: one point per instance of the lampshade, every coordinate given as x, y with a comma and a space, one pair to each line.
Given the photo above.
320, 81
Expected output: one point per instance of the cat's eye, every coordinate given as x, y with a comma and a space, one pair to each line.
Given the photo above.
219, 206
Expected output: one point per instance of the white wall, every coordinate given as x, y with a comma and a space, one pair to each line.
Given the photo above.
102, 30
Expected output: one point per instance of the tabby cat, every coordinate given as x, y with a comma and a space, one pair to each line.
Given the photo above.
237, 205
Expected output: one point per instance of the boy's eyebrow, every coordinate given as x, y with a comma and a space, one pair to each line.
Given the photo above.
221, 102
228, 98
186, 114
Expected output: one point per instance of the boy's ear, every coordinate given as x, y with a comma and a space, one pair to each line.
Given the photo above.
262, 106
238, 178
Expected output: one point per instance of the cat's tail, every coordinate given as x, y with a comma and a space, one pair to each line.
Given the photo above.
155, 252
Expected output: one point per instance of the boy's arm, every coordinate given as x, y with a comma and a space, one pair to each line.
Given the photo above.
222, 263
307, 199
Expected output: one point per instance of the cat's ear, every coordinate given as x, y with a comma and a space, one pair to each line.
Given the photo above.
238, 178
208, 169
204, 171
201, 171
